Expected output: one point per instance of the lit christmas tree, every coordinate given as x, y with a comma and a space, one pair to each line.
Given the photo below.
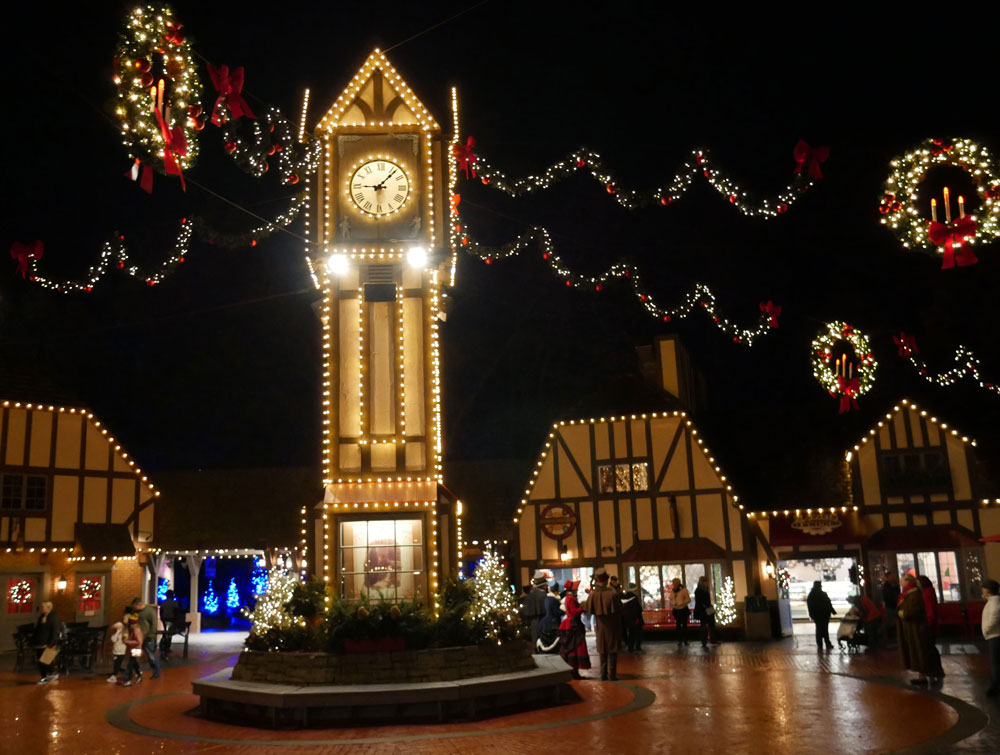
493, 602
232, 595
258, 578
270, 609
725, 602
210, 599
161, 590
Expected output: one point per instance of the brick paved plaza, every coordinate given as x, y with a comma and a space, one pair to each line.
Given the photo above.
779, 697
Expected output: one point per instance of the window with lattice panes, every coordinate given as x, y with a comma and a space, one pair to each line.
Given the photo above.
623, 477
382, 559
20, 492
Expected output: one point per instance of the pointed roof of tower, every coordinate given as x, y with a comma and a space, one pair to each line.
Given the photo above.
377, 95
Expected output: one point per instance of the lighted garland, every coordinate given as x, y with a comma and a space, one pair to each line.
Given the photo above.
700, 297
90, 588
698, 166
843, 380
910, 224
20, 593
966, 365
152, 48
114, 254
275, 137
725, 603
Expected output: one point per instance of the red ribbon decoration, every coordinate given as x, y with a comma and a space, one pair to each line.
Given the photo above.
174, 146
809, 158
952, 237
773, 312
466, 157
848, 390
230, 87
456, 199
24, 252
907, 344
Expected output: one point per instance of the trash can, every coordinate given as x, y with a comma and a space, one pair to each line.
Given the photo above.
757, 617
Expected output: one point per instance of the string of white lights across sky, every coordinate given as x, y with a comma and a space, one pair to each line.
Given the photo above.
697, 166
966, 365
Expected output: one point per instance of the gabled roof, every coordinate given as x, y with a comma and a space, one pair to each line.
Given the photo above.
377, 95
908, 406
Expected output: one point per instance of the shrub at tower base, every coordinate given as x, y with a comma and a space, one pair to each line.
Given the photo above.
321, 639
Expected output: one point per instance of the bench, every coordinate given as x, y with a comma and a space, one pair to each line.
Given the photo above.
952, 615
281, 704
663, 618
183, 633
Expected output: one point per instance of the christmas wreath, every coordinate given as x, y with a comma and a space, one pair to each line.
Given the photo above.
948, 239
158, 93
20, 593
844, 376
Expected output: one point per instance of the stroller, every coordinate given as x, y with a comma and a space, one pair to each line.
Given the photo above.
851, 632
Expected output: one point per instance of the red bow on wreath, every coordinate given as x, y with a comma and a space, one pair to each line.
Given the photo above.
952, 237
907, 344
230, 87
466, 157
809, 158
24, 252
456, 199
773, 311
174, 146
848, 389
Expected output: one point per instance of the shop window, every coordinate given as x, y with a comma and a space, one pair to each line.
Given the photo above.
940, 567
89, 592
623, 477
382, 559
654, 581
915, 471
23, 492
20, 595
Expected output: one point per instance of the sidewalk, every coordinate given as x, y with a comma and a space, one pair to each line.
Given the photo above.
778, 697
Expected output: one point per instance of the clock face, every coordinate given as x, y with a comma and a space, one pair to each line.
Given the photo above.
379, 187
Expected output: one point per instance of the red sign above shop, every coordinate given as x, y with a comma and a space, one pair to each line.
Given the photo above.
817, 529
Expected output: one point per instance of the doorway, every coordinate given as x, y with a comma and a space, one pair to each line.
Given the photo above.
799, 574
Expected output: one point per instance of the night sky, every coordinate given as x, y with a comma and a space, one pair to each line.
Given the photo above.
219, 364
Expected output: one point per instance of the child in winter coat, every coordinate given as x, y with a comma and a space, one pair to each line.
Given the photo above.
118, 650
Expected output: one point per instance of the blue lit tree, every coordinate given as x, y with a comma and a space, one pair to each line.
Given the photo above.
232, 595
258, 579
161, 589
210, 599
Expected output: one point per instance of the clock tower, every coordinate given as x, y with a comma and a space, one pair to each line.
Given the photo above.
387, 527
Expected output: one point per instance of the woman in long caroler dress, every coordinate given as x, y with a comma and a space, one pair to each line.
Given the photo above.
572, 634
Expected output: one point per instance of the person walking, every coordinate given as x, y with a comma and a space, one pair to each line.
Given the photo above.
704, 612
533, 608
606, 607
820, 611
572, 635
890, 599
147, 625
46, 640
916, 646
119, 651
632, 619
679, 600
930, 603
133, 645
991, 632
171, 616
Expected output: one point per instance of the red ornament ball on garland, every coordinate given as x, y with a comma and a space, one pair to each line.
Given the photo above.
569, 283
293, 179
666, 318
143, 65
199, 124
270, 127
580, 162
230, 147
146, 79
666, 200
278, 147
465, 241
782, 208
486, 181
612, 188
708, 174
194, 111
598, 287
488, 260
271, 150
253, 242
732, 199
266, 167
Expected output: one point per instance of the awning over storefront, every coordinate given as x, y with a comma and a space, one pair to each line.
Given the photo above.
844, 528
695, 549
920, 539
103, 541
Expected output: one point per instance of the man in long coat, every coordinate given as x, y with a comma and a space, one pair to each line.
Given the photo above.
533, 607
605, 606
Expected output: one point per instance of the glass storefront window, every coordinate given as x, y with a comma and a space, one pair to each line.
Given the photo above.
655, 581
382, 559
948, 575
652, 591
640, 476
906, 564
927, 567
943, 570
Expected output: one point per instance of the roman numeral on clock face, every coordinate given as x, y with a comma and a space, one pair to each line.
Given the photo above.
398, 198
360, 197
378, 208
368, 205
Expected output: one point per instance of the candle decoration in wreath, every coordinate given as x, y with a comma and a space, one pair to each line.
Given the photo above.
158, 94
917, 221
558, 521
843, 363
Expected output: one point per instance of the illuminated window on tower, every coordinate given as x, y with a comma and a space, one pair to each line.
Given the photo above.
382, 559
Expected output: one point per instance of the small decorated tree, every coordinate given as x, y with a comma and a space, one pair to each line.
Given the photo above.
726, 603
210, 599
258, 578
493, 607
232, 595
270, 613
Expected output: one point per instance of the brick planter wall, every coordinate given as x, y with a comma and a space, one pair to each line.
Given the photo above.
396, 666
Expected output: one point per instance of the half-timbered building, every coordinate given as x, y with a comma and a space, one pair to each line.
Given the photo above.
641, 496
73, 508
